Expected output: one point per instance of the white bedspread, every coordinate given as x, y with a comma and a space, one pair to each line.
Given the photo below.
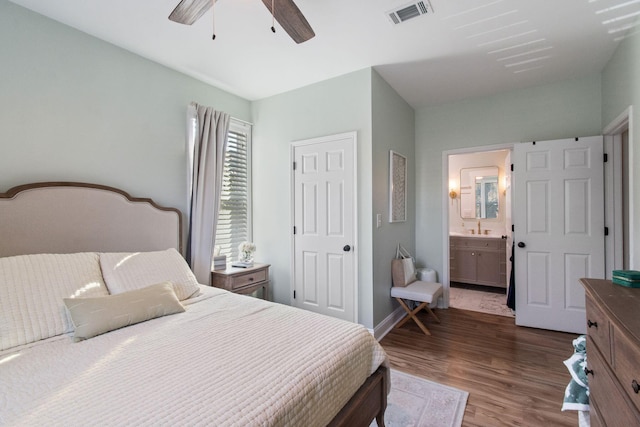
228, 360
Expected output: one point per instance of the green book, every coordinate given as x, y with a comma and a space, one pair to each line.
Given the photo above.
628, 278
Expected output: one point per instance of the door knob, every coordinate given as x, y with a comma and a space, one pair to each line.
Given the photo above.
521, 244
346, 248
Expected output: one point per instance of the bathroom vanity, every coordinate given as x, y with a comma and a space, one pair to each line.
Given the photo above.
478, 260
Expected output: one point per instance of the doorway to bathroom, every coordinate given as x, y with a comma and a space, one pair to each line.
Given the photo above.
478, 221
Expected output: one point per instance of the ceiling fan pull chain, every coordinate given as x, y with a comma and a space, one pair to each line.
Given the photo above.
213, 17
273, 16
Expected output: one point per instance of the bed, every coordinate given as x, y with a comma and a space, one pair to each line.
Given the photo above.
102, 323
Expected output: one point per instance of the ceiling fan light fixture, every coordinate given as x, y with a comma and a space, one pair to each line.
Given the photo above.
273, 16
213, 19
289, 16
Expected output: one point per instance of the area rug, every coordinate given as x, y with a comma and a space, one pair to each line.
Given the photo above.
418, 402
477, 300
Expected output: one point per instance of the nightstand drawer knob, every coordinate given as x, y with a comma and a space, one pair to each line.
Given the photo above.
635, 386
590, 324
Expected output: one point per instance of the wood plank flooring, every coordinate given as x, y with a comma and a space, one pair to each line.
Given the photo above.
514, 375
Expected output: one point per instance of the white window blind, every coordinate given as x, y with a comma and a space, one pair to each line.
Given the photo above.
234, 221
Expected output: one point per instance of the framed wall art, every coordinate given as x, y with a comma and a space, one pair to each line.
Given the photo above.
397, 187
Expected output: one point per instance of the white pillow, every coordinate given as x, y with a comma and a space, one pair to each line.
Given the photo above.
95, 316
31, 291
124, 272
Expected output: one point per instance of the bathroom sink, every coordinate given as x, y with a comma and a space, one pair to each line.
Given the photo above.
485, 236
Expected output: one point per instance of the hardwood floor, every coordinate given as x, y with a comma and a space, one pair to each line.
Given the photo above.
514, 375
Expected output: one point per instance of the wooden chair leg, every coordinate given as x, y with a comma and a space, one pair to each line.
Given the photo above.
428, 309
409, 311
412, 314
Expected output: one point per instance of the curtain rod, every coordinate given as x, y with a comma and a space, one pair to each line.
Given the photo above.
242, 121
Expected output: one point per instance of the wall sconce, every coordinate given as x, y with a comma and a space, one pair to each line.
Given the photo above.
506, 184
453, 194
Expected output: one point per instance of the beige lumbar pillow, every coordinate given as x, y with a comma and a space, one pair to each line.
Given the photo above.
95, 316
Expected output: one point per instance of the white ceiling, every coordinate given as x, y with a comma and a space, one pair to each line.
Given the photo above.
465, 48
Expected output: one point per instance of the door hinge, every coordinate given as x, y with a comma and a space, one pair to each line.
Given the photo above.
294, 165
294, 229
606, 231
606, 157
294, 294
513, 228
511, 167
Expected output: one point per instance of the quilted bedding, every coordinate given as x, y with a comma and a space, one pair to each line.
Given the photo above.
229, 360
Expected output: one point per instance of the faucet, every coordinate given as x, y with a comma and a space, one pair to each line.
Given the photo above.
479, 227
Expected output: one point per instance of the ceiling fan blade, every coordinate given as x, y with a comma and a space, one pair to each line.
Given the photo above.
189, 11
291, 19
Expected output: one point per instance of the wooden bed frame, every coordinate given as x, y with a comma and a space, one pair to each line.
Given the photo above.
68, 217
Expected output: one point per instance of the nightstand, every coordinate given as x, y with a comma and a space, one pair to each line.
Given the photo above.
243, 280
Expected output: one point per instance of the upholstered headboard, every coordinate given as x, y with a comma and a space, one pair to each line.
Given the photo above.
68, 217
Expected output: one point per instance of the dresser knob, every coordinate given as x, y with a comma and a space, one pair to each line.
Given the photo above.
590, 324
251, 279
635, 386
588, 371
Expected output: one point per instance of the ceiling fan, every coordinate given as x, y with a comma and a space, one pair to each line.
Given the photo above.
284, 11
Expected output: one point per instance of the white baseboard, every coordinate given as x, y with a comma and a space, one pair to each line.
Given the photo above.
388, 323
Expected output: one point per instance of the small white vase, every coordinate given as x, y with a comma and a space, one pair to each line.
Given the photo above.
246, 257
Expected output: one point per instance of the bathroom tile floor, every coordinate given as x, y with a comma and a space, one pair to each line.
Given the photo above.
479, 298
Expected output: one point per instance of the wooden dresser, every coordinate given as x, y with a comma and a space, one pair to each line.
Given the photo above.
613, 353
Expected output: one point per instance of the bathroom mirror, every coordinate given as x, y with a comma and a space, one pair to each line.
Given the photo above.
479, 192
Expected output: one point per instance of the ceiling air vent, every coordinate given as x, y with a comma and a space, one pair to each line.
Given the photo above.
409, 11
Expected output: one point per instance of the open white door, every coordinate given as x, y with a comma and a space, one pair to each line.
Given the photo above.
324, 270
559, 230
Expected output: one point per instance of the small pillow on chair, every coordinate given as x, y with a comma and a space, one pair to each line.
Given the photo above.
95, 316
403, 272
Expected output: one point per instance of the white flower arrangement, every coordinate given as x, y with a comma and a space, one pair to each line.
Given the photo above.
247, 247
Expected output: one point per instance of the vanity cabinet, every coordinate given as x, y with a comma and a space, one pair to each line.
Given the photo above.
478, 261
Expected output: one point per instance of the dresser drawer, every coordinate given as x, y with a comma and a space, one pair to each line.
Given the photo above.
598, 329
627, 365
243, 280
612, 404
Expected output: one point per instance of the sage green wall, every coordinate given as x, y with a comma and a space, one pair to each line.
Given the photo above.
75, 108
562, 110
393, 129
620, 89
337, 105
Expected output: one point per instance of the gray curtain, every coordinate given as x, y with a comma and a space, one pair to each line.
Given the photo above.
207, 139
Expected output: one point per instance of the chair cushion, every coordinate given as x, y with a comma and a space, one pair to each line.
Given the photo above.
418, 291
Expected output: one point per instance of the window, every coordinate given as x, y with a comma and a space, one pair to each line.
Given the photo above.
234, 221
